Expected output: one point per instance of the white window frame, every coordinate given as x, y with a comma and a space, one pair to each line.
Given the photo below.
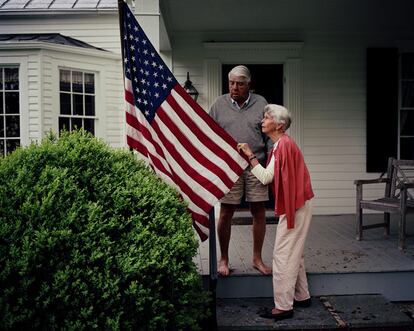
21, 64
71, 93
99, 79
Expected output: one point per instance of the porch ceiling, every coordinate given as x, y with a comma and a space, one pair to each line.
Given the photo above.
208, 16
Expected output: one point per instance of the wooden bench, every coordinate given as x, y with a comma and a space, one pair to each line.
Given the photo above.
398, 198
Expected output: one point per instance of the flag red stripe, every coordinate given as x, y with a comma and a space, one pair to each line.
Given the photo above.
220, 152
207, 141
200, 232
197, 154
186, 167
157, 163
136, 124
195, 198
206, 117
129, 97
202, 219
137, 146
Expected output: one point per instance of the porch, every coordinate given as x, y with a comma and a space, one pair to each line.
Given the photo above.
337, 264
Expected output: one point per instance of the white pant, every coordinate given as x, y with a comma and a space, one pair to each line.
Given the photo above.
289, 275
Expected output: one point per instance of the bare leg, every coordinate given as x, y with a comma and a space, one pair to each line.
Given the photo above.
224, 233
259, 230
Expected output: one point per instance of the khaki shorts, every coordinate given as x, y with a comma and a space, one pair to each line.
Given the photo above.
249, 185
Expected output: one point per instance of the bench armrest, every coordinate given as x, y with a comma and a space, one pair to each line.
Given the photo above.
370, 181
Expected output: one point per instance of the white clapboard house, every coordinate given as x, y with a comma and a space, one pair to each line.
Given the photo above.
345, 68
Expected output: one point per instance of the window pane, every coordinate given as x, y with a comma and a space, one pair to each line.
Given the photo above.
1, 83
407, 149
407, 65
407, 94
11, 78
77, 104
12, 102
1, 102
11, 145
78, 100
76, 123
64, 80
65, 104
2, 151
89, 125
64, 124
407, 122
89, 83
77, 81
1, 126
12, 126
89, 105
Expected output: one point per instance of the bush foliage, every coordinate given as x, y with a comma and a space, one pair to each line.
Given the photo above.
91, 239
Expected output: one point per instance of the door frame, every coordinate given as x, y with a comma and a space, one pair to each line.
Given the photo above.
287, 53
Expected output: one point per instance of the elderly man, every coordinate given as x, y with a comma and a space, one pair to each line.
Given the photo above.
240, 113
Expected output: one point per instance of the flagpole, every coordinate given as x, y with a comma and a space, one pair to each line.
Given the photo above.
213, 270
120, 19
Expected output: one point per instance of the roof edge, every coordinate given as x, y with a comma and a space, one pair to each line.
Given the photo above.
39, 45
63, 11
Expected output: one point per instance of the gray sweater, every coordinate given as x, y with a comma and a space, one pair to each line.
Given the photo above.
244, 125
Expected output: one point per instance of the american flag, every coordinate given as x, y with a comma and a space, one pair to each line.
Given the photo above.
172, 133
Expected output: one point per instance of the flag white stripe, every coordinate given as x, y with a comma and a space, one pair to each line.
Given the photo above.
135, 134
195, 164
169, 163
198, 144
179, 171
208, 131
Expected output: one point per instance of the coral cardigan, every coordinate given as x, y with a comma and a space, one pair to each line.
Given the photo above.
292, 184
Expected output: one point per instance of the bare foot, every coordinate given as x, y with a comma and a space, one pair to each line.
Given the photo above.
264, 269
223, 268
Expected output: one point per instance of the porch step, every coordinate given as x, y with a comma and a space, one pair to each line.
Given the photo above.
394, 286
349, 312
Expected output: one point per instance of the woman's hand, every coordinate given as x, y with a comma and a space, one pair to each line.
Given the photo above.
245, 148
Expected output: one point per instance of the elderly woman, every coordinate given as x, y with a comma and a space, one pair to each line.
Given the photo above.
293, 192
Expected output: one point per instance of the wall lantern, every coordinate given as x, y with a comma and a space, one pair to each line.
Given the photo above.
189, 88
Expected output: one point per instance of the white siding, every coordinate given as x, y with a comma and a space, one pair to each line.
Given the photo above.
100, 31
334, 120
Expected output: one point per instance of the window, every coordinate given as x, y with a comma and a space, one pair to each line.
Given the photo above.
390, 107
406, 111
9, 110
77, 100
382, 107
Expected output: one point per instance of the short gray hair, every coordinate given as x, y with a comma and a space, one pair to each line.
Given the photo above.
279, 114
242, 71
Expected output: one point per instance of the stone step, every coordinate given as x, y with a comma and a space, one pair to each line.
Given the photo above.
394, 286
346, 312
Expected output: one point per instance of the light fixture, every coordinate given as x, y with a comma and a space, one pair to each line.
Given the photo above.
189, 88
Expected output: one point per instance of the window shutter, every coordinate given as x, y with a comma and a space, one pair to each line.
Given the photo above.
382, 107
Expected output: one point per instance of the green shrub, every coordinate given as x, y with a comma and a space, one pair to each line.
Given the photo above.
91, 239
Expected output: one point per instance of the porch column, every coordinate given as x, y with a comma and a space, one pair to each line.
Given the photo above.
149, 16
